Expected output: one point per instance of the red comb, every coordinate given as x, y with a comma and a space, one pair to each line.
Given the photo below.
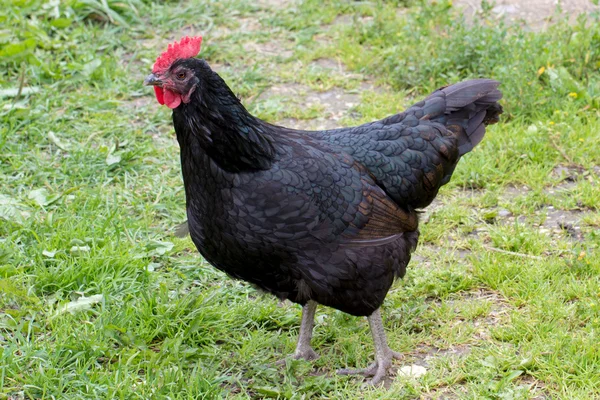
186, 48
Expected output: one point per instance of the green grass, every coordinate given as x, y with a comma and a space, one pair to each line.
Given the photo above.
90, 193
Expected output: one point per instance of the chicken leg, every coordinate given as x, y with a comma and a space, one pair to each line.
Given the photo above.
383, 354
303, 348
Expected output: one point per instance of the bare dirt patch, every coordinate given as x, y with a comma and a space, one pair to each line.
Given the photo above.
139, 102
532, 14
510, 192
447, 393
249, 24
548, 220
317, 124
424, 355
285, 90
276, 4
563, 222
246, 25
568, 175
271, 48
336, 67
336, 103
329, 63
348, 19
553, 221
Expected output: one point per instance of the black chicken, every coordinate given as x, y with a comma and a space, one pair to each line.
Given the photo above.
324, 217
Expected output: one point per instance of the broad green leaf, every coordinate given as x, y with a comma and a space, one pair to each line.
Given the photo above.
113, 159
81, 304
61, 23
15, 49
159, 248
58, 142
13, 92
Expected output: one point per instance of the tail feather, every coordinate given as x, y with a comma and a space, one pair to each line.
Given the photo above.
475, 131
476, 90
470, 107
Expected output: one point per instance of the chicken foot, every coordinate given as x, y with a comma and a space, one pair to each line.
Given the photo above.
383, 354
303, 348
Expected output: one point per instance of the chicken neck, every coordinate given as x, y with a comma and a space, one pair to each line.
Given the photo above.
216, 124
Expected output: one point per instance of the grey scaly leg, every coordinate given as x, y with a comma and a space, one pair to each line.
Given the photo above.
303, 348
383, 354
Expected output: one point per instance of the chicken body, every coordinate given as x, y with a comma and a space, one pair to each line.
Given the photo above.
325, 217
312, 226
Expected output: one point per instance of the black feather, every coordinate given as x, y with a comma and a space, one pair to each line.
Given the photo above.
328, 216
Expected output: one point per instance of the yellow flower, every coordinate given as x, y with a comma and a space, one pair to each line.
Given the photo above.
573, 95
541, 71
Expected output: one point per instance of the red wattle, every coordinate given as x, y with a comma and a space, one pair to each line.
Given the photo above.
160, 95
172, 99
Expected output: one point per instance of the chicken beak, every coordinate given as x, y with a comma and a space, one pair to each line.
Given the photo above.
152, 80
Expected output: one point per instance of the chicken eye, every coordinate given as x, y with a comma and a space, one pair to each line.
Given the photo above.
181, 76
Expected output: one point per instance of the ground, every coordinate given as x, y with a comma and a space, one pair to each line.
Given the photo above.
534, 14
101, 300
